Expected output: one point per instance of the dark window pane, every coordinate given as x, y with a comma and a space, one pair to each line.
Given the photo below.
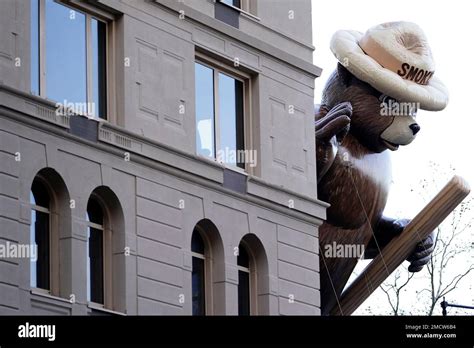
34, 46
39, 235
197, 243
95, 266
204, 110
198, 287
99, 76
39, 194
231, 118
95, 260
244, 293
33, 262
243, 257
66, 55
94, 212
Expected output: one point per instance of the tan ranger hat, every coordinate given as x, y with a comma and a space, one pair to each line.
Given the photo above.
395, 59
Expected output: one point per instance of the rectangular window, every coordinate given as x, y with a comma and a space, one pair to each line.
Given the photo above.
220, 115
205, 117
235, 3
39, 276
244, 293
99, 76
40, 236
247, 6
68, 57
95, 265
198, 286
34, 36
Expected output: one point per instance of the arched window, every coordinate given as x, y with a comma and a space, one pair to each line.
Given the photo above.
106, 251
96, 255
198, 253
40, 235
253, 288
207, 273
244, 291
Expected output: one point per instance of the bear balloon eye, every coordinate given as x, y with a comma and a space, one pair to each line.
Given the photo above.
386, 99
387, 103
412, 110
392, 107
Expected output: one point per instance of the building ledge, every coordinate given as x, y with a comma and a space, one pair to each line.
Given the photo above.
32, 105
49, 303
25, 108
252, 41
93, 307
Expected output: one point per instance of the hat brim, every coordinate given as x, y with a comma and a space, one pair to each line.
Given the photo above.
345, 46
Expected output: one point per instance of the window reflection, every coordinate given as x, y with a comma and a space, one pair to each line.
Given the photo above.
235, 3
65, 54
219, 116
204, 110
72, 47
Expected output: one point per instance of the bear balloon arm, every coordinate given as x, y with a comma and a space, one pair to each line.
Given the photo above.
386, 230
330, 127
325, 156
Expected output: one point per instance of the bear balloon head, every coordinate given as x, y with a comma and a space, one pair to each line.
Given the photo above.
396, 127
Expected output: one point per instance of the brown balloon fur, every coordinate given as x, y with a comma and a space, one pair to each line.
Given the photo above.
356, 184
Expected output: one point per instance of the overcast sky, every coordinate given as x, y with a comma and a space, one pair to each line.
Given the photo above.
445, 136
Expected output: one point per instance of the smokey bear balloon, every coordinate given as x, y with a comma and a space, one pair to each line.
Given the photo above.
368, 109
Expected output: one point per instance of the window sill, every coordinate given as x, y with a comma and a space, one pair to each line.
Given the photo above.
249, 15
235, 169
92, 118
243, 12
222, 164
101, 308
47, 294
54, 104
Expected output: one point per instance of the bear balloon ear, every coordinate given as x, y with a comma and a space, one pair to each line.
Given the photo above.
344, 74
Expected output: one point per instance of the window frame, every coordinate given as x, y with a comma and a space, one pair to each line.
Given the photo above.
54, 286
246, 79
106, 255
41, 209
247, 271
205, 260
208, 276
252, 272
90, 12
247, 7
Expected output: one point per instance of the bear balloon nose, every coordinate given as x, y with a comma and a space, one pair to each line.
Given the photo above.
415, 128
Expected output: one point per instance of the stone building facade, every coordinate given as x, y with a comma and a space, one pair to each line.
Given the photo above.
110, 199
